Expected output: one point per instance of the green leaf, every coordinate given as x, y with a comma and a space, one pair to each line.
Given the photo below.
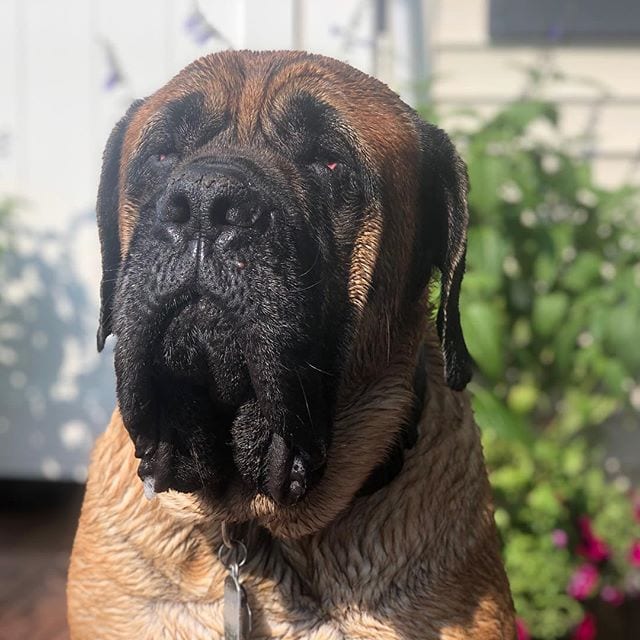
546, 268
486, 252
523, 398
479, 284
549, 311
486, 175
484, 329
544, 505
621, 334
516, 117
492, 413
584, 271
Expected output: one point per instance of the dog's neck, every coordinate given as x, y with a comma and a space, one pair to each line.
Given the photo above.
428, 533
385, 472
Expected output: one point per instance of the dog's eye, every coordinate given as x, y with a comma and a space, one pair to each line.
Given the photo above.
163, 158
324, 166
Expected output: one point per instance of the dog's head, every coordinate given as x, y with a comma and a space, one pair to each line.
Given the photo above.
269, 223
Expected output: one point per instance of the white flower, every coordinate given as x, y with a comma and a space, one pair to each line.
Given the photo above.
585, 339
550, 164
568, 254
528, 218
510, 266
634, 397
612, 465
607, 271
510, 192
580, 216
586, 197
622, 484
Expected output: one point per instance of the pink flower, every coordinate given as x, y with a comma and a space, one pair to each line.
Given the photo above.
521, 628
586, 629
559, 538
583, 582
613, 596
590, 547
634, 553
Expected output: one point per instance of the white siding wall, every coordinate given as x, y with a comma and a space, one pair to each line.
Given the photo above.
470, 71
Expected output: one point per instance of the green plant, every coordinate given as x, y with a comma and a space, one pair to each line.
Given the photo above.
6, 206
553, 278
550, 310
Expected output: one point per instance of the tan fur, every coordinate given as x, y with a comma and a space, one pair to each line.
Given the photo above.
416, 559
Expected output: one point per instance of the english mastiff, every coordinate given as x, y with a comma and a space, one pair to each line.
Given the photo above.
292, 455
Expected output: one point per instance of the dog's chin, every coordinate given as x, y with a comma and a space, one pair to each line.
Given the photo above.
203, 427
199, 347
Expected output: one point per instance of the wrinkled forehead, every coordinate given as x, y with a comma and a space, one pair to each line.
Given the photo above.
254, 92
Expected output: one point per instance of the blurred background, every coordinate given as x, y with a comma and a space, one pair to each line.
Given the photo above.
543, 100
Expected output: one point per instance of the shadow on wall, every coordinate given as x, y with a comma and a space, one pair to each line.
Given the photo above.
56, 395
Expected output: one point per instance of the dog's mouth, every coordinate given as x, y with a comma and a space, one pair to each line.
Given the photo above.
209, 403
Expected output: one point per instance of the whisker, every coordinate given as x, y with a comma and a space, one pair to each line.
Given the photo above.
315, 284
314, 263
305, 398
318, 368
196, 461
388, 337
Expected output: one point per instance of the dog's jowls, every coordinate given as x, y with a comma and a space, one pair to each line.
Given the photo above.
269, 224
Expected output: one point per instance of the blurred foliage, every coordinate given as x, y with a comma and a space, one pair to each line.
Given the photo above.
550, 310
6, 206
553, 281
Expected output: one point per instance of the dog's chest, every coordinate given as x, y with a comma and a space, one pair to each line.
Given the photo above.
273, 617
338, 600
293, 595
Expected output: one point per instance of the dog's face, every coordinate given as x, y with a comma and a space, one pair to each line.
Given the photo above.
268, 224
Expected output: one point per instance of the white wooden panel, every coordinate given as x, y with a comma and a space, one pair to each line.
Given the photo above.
56, 112
268, 24
458, 22
497, 71
9, 102
341, 29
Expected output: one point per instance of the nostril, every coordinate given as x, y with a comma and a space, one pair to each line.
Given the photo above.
219, 209
235, 212
178, 209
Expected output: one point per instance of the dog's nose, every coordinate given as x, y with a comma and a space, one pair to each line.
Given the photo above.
207, 199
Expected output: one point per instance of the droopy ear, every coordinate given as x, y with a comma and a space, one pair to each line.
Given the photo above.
107, 213
443, 229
